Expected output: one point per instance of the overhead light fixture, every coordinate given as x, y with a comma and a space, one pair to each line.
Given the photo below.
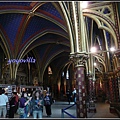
95, 64
93, 49
84, 4
112, 49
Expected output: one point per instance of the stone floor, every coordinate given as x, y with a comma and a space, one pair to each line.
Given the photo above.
102, 111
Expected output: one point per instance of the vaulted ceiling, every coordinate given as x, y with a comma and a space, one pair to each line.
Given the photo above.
38, 27
33, 26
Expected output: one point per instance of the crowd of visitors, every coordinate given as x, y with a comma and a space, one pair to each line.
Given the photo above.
29, 105
25, 105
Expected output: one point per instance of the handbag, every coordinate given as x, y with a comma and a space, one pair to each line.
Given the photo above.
20, 111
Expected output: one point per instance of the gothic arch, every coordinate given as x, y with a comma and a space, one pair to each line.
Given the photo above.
100, 17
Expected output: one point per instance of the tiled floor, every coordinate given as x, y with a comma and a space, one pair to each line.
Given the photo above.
102, 111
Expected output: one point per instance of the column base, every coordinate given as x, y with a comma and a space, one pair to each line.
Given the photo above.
92, 107
112, 110
92, 110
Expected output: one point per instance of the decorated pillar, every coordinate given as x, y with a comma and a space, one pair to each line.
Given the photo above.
116, 88
111, 87
118, 78
117, 58
92, 107
119, 87
90, 78
79, 59
94, 90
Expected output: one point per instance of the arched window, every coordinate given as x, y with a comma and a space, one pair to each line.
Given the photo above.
49, 70
67, 75
63, 74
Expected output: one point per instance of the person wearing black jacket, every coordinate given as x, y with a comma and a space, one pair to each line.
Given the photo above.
47, 104
68, 96
12, 103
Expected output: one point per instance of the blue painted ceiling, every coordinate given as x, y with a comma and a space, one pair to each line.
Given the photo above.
14, 3
18, 28
10, 24
50, 9
37, 25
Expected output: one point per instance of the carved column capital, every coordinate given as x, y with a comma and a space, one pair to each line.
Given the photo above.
90, 75
117, 56
110, 74
79, 58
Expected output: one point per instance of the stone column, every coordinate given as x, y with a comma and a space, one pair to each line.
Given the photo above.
111, 88
94, 90
116, 90
92, 107
79, 59
119, 86
90, 78
117, 55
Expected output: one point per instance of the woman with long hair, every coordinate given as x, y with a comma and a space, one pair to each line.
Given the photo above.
37, 104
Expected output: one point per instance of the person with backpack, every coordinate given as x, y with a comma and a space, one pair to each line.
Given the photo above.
47, 104
24, 103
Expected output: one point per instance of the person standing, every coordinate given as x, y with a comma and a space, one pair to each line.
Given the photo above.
6, 102
12, 103
74, 95
17, 101
24, 102
3, 103
47, 104
68, 96
37, 104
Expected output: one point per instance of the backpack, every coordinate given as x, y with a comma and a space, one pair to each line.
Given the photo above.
47, 101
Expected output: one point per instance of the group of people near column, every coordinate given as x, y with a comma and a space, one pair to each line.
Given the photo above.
32, 105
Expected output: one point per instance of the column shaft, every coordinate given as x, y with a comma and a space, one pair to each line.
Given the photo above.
81, 93
90, 88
